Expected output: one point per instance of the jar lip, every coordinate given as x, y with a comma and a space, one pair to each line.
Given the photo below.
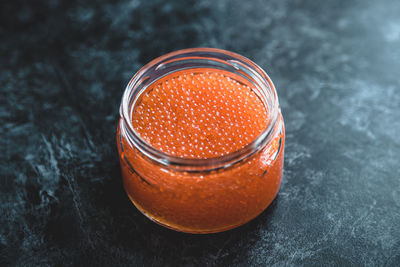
189, 164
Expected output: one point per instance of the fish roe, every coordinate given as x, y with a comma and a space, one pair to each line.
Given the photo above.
199, 115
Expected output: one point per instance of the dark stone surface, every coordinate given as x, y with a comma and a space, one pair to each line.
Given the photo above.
63, 68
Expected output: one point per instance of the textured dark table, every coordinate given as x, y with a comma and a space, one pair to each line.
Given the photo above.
63, 68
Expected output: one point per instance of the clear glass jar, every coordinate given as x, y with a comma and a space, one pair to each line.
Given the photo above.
202, 195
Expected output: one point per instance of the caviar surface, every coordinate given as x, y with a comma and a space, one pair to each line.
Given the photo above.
199, 115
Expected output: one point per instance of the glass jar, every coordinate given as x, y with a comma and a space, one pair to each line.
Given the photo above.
202, 195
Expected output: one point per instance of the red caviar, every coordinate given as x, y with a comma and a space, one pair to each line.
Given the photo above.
201, 114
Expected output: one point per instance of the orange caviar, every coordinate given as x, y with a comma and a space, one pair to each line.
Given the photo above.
200, 115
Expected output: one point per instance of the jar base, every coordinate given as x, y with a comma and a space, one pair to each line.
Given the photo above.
192, 230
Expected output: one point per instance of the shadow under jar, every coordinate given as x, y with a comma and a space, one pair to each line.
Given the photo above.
201, 140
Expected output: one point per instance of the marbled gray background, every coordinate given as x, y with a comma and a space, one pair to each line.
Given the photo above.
63, 68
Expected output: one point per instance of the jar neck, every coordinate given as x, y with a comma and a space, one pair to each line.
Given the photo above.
200, 58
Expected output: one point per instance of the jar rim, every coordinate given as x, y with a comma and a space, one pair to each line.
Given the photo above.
239, 63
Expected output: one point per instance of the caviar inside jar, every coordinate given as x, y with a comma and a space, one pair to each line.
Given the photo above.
201, 114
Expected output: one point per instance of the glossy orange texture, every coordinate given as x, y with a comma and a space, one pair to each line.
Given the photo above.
201, 114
